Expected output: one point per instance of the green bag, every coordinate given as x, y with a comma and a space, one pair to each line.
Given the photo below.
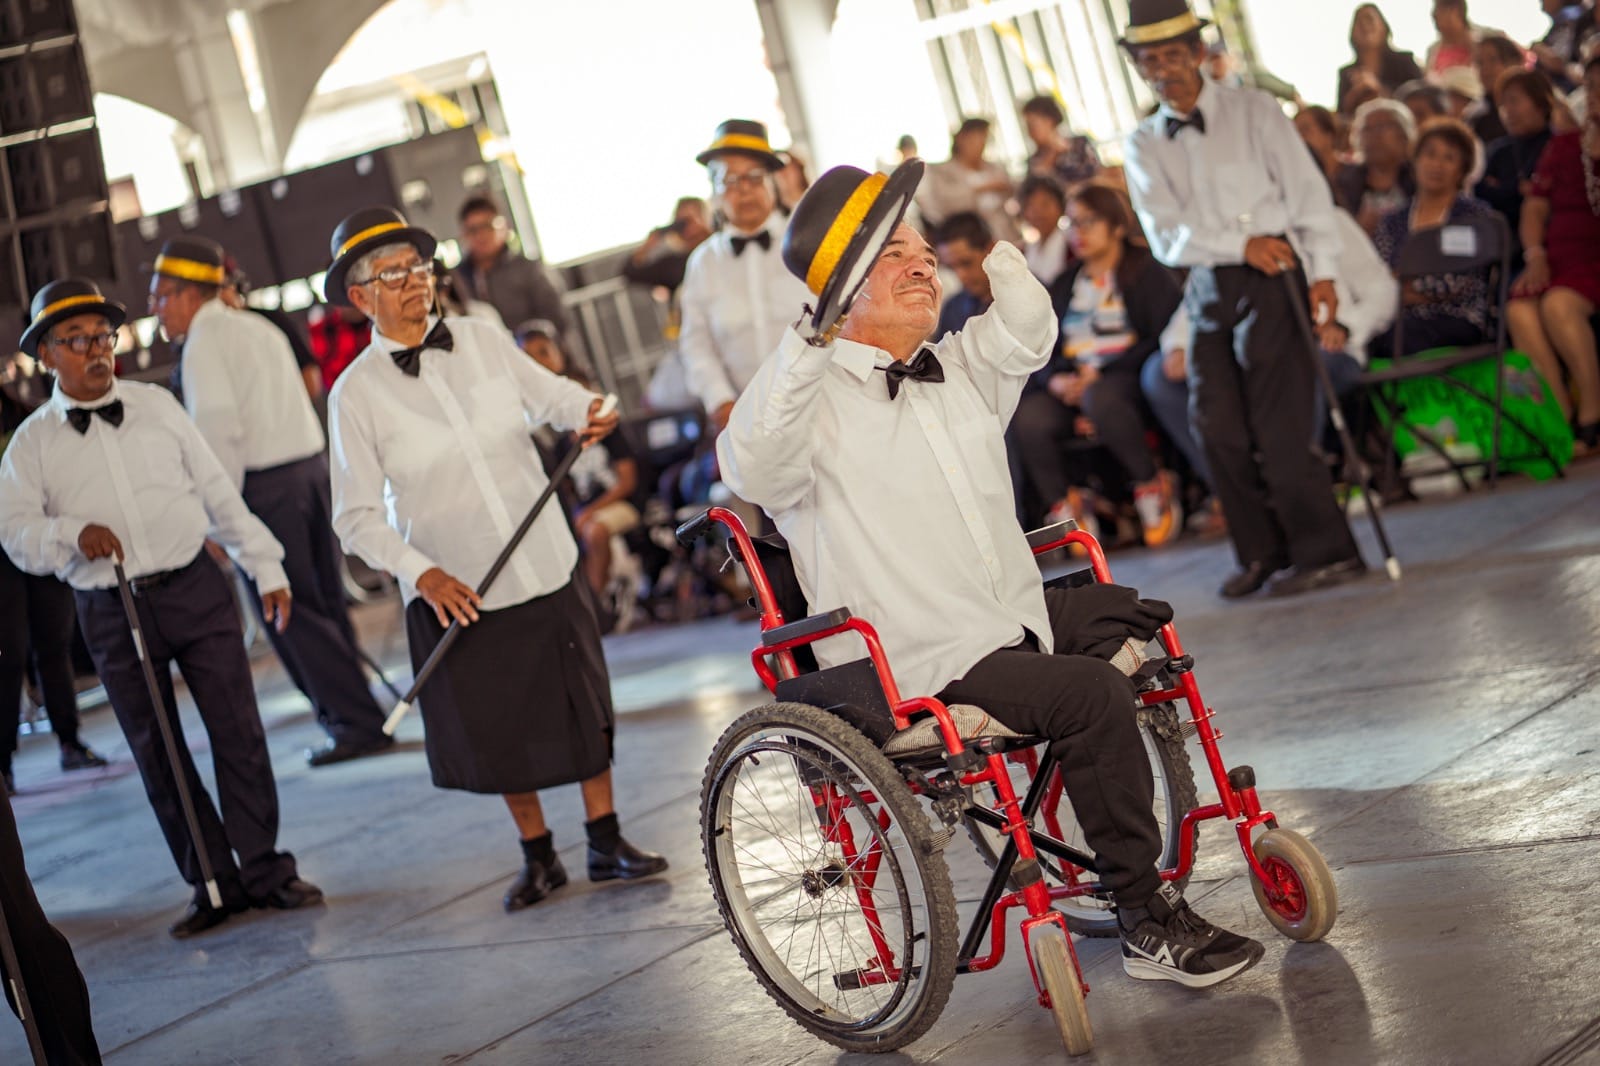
1454, 417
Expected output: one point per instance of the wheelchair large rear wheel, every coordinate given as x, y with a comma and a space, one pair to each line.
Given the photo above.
829, 877
1091, 915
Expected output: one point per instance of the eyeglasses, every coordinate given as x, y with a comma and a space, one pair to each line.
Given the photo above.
396, 277
750, 180
494, 225
82, 343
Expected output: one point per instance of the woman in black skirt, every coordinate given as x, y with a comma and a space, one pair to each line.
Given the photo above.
433, 467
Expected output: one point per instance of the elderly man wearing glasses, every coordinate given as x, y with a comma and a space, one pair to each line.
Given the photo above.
737, 298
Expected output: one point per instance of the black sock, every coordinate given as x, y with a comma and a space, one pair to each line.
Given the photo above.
539, 850
604, 833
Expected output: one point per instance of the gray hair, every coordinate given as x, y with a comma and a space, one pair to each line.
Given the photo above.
362, 268
1400, 112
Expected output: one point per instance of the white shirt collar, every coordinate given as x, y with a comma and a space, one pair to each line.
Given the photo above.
389, 345
62, 403
1204, 103
860, 360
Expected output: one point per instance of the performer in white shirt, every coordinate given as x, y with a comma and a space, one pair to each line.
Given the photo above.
110, 468
434, 466
736, 295
249, 401
882, 461
1224, 186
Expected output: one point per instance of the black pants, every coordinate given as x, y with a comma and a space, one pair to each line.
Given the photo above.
50, 974
1251, 384
1115, 404
1045, 447
191, 620
1086, 707
319, 648
36, 631
1422, 332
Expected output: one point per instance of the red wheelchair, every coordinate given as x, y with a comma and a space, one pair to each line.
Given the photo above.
824, 817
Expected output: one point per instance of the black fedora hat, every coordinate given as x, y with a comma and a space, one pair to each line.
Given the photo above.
1157, 21
366, 230
742, 136
65, 299
194, 259
839, 228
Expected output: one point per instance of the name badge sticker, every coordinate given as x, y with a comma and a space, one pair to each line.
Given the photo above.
1461, 241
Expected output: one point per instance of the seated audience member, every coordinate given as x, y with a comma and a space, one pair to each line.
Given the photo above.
1114, 302
1497, 54
962, 243
661, 259
969, 182
1424, 100
1559, 290
1379, 67
1462, 90
1527, 104
791, 179
1457, 37
1319, 128
1367, 298
1448, 309
1044, 207
1058, 153
1560, 53
338, 334
452, 299
1381, 180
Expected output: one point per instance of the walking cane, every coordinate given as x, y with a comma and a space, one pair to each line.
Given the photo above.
19, 989
372, 664
1356, 471
170, 739
437, 655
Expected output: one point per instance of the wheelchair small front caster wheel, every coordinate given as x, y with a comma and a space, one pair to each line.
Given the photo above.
1059, 976
1302, 901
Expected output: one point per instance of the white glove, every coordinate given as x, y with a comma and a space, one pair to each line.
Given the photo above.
1022, 303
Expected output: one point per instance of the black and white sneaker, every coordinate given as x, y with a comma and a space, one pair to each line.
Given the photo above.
1166, 941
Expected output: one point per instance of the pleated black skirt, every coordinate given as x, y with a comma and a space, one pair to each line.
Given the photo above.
522, 701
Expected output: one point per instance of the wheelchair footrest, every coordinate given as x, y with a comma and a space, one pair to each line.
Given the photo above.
853, 980
923, 736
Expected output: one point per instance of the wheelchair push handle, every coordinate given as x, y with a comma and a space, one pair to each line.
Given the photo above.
699, 526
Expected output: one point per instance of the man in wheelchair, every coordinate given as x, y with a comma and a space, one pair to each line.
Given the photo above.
881, 459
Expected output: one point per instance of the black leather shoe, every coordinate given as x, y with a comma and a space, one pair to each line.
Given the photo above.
80, 757
626, 862
199, 918
535, 882
1302, 579
344, 750
1249, 580
290, 895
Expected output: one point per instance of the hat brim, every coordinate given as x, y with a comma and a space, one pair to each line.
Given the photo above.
769, 160
1162, 32
336, 290
114, 312
867, 243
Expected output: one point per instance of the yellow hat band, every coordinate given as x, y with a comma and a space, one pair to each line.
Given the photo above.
189, 270
837, 239
1164, 30
66, 302
741, 140
373, 231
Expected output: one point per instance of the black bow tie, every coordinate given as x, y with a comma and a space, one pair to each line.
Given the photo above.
410, 359
924, 366
763, 238
79, 416
1195, 119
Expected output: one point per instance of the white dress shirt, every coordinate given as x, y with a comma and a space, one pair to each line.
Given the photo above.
735, 309
900, 510
1202, 196
1368, 292
244, 391
151, 480
439, 469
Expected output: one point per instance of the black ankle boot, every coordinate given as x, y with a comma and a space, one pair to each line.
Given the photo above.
542, 873
611, 857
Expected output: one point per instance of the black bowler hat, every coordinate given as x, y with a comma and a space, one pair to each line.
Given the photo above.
192, 259
839, 229
742, 136
362, 232
66, 299
1158, 21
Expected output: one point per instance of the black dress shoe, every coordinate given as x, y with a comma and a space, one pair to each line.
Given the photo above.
345, 750
1249, 580
536, 881
201, 917
626, 862
290, 895
1304, 579
80, 757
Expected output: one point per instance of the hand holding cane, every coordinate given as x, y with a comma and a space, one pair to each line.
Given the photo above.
169, 738
607, 406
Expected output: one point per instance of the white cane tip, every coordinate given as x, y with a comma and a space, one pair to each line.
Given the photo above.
1393, 567
395, 716
214, 895
607, 405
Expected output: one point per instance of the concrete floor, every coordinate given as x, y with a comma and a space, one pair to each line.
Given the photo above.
1438, 739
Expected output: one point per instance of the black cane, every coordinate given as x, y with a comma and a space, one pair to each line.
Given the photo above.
437, 655
19, 989
1356, 471
169, 738
372, 664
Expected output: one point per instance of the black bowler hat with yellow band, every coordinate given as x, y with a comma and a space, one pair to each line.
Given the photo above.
840, 227
364, 231
741, 136
193, 259
1159, 21
61, 300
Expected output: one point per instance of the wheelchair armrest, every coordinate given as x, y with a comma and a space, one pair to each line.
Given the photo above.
1038, 538
806, 627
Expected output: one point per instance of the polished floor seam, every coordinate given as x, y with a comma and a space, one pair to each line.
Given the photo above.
1477, 849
